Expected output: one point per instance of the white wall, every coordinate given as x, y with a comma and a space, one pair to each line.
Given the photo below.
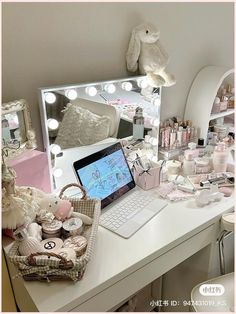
46, 44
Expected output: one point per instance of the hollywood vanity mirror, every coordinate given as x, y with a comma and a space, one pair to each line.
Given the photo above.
17, 133
80, 119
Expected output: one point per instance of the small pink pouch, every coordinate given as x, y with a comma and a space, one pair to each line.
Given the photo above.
147, 179
64, 211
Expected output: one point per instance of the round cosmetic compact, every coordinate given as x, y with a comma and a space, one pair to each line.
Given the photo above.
52, 229
72, 226
77, 243
52, 244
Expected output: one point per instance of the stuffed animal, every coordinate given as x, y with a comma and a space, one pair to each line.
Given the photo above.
61, 209
146, 53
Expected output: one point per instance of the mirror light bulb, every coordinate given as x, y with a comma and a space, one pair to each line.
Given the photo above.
55, 149
71, 94
52, 124
142, 83
50, 98
127, 86
110, 88
57, 172
91, 90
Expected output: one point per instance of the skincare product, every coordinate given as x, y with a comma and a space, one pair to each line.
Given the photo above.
138, 124
208, 182
189, 163
186, 188
52, 230
221, 131
223, 103
167, 137
52, 244
188, 133
172, 138
179, 135
173, 166
72, 226
220, 158
216, 106
147, 148
192, 147
200, 142
202, 165
184, 136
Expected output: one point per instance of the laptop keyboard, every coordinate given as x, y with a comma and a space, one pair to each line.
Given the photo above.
119, 214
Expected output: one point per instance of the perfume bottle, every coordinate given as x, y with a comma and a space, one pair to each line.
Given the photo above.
138, 124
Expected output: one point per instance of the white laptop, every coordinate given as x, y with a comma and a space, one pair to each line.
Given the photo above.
106, 176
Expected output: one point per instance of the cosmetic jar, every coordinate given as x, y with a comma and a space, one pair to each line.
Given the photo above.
221, 131
173, 166
202, 165
52, 229
52, 244
71, 227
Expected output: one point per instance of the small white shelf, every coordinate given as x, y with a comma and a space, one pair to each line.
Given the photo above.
228, 112
201, 97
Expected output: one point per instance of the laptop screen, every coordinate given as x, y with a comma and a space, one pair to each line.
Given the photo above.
105, 174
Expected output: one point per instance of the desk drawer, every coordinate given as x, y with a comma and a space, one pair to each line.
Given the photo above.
121, 290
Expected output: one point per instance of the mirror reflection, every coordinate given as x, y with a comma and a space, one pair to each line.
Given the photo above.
75, 116
13, 128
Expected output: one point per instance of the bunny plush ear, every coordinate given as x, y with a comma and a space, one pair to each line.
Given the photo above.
133, 52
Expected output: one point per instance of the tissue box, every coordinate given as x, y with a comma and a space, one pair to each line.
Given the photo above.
147, 179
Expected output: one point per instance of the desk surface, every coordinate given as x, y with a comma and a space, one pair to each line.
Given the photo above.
115, 258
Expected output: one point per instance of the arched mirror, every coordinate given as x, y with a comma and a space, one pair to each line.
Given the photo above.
80, 119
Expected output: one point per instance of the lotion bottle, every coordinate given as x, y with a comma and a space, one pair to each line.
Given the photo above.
189, 163
138, 124
220, 158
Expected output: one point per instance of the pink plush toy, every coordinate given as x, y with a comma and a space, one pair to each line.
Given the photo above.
61, 209
64, 210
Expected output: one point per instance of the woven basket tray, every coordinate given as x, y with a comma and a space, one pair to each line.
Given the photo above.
58, 268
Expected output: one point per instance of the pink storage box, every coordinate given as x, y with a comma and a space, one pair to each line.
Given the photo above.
32, 170
148, 179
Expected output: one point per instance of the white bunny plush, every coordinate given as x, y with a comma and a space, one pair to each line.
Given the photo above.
146, 54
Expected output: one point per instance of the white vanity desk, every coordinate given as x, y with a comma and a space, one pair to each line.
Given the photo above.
121, 267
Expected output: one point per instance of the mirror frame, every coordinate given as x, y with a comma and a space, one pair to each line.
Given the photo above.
30, 143
43, 112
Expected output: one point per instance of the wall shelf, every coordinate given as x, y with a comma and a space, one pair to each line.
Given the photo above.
201, 97
222, 114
